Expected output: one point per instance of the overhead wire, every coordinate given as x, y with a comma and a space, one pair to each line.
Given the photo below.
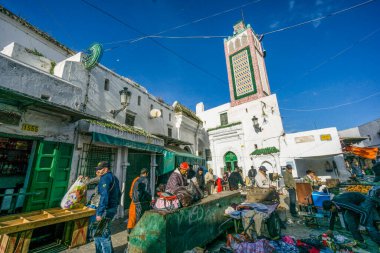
156, 35
320, 18
155, 41
330, 58
334, 106
185, 24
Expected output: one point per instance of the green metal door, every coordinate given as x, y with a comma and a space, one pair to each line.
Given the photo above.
61, 174
230, 159
137, 160
50, 175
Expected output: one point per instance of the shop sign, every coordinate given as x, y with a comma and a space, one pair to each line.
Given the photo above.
30, 128
302, 139
325, 137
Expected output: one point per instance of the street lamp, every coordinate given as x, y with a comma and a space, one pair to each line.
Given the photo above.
125, 98
256, 126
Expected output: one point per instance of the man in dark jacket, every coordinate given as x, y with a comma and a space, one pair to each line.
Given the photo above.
109, 191
141, 194
252, 174
234, 180
201, 179
356, 210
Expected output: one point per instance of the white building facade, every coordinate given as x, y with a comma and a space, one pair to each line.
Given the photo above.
251, 121
51, 100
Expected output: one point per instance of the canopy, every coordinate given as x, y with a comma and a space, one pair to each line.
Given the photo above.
173, 156
265, 151
369, 153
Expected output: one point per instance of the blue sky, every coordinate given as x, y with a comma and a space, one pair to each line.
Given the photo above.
322, 64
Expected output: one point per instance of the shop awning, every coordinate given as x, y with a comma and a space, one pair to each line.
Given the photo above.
174, 156
368, 153
352, 140
172, 141
265, 151
22, 100
115, 141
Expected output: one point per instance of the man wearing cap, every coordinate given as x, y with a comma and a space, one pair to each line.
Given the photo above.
262, 179
141, 194
109, 191
290, 185
177, 178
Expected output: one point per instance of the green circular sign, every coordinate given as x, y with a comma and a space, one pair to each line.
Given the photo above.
92, 55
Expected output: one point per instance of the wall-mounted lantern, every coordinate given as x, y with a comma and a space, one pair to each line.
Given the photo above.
125, 98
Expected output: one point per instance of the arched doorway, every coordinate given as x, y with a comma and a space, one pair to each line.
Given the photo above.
231, 161
187, 149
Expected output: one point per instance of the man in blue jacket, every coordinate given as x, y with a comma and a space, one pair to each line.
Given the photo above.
109, 191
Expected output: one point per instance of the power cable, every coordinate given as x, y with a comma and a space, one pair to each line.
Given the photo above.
186, 24
155, 41
156, 35
334, 106
320, 18
327, 60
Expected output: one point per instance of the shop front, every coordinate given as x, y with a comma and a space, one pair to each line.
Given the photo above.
36, 147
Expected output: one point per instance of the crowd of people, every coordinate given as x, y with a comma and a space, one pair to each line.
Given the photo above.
189, 185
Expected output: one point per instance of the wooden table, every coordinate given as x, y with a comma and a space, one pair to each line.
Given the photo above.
16, 230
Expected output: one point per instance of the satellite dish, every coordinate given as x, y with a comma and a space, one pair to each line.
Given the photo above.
155, 113
92, 56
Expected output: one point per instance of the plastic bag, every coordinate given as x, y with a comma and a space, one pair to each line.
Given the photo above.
76, 196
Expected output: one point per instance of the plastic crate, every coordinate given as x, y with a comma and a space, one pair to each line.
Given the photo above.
319, 197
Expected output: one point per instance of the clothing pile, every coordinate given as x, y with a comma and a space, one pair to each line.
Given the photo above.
252, 215
287, 244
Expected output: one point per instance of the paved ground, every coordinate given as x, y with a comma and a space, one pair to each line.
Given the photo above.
296, 229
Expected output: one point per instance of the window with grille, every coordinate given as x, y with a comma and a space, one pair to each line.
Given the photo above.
129, 119
107, 84
91, 156
208, 155
223, 119
169, 132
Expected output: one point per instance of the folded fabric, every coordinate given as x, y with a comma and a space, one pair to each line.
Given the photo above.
283, 247
261, 246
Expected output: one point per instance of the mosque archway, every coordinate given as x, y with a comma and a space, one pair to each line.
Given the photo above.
230, 161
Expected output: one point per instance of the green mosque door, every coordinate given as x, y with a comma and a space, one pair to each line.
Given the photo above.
230, 159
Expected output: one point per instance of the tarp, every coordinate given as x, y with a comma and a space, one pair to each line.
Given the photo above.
171, 158
369, 153
108, 139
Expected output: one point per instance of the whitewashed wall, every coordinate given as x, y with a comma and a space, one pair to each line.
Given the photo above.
13, 31
241, 138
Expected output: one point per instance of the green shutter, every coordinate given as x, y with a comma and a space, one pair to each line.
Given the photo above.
50, 175
61, 174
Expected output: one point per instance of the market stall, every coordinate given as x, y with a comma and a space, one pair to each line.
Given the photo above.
50, 227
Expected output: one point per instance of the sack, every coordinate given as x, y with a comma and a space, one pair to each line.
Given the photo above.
184, 196
75, 196
256, 194
166, 201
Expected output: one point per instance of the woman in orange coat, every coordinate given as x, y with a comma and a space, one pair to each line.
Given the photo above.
132, 208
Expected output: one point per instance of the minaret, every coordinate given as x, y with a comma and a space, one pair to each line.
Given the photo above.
247, 75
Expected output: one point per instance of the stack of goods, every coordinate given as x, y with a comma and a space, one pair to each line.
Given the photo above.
358, 188
76, 196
